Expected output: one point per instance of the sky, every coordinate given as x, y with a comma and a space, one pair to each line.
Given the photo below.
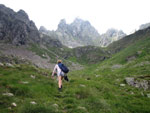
126, 15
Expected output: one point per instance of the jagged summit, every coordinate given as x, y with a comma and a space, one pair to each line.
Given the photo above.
144, 26
82, 33
16, 27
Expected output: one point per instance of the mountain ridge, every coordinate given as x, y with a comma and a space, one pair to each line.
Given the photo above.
82, 33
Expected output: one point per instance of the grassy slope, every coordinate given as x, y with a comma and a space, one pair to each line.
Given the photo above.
128, 40
94, 89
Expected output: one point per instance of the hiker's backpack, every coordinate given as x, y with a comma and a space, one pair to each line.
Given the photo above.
63, 67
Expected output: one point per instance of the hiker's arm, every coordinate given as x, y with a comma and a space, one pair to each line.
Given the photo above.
54, 71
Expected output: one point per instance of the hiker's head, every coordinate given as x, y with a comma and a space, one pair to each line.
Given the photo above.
59, 61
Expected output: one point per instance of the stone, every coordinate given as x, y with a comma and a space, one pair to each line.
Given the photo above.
117, 80
8, 94
55, 105
14, 104
116, 66
148, 95
129, 81
24, 82
122, 85
132, 93
9, 65
97, 75
82, 108
32, 76
145, 84
130, 58
32, 102
81, 85
1, 64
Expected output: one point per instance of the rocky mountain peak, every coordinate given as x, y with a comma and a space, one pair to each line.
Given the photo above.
6, 10
62, 24
114, 32
22, 15
78, 33
16, 28
110, 36
82, 33
144, 26
42, 29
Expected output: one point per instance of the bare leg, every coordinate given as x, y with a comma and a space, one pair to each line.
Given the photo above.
59, 81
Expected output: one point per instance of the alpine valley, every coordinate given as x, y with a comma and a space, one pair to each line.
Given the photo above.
109, 72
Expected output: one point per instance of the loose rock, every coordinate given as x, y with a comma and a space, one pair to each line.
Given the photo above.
81, 85
14, 104
129, 81
1, 64
122, 85
97, 75
32, 76
148, 95
8, 94
116, 66
82, 108
55, 105
32, 102
9, 65
24, 82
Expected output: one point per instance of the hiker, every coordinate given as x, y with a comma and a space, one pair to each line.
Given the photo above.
60, 74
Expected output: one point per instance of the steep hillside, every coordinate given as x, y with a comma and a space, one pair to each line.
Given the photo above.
89, 55
21, 41
97, 88
129, 40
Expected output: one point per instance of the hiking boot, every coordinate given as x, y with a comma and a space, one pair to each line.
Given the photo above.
66, 78
60, 89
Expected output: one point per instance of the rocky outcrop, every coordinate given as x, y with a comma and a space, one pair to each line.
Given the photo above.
50, 42
16, 28
144, 26
140, 83
78, 33
110, 36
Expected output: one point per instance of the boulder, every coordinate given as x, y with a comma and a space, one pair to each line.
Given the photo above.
145, 84
9, 65
129, 81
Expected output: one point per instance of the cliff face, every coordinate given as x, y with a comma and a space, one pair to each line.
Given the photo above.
16, 28
78, 33
110, 36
